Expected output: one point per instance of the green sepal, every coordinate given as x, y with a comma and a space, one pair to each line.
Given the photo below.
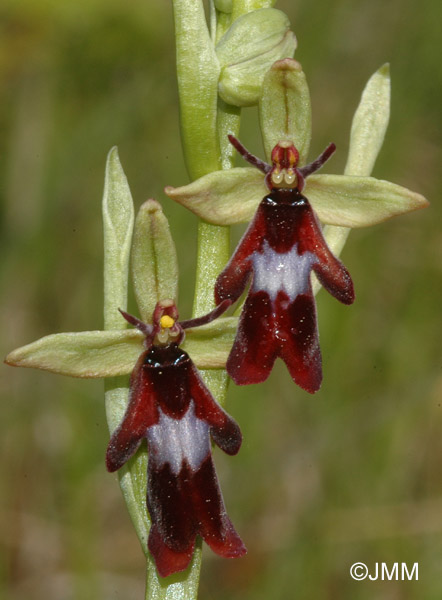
83, 354
210, 345
222, 197
154, 260
359, 201
248, 49
285, 109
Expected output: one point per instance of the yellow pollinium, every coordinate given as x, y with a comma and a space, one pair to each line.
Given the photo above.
166, 322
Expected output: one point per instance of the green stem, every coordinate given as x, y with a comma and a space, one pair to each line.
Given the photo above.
197, 73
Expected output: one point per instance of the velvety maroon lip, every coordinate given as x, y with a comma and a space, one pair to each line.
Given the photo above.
277, 253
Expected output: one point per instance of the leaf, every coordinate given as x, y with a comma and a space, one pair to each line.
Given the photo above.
154, 260
222, 197
359, 201
284, 108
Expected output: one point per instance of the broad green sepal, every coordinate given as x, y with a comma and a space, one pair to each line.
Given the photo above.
248, 49
359, 201
222, 197
118, 221
154, 260
285, 109
369, 124
83, 354
209, 346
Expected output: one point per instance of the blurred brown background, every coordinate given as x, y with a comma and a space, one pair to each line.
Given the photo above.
351, 474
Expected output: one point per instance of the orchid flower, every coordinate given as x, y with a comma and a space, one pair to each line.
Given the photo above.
172, 409
280, 248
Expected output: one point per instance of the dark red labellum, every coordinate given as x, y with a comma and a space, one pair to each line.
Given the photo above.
280, 248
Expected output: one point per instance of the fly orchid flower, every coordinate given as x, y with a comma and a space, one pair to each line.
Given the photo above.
280, 248
172, 409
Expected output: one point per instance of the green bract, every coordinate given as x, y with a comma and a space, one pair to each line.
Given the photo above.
248, 49
367, 134
118, 220
369, 124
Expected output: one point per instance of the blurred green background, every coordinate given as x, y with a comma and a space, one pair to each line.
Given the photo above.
351, 474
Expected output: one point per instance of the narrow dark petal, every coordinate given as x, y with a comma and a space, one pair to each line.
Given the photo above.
255, 348
209, 317
140, 414
318, 163
143, 327
250, 158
